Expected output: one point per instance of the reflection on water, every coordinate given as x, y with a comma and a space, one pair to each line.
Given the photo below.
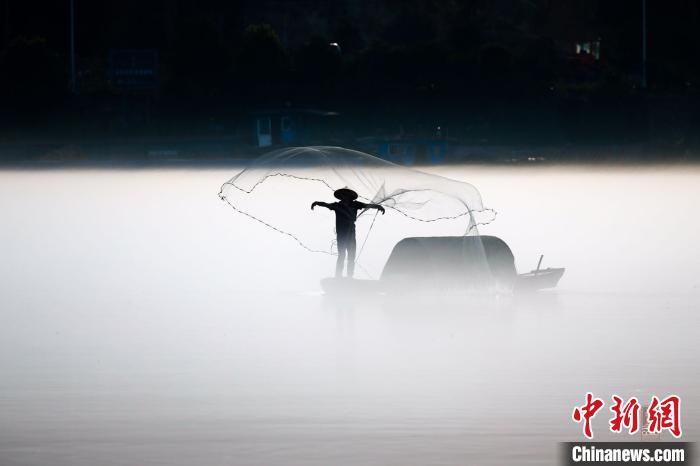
144, 323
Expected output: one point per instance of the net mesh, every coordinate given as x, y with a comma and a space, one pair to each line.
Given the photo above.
277, 190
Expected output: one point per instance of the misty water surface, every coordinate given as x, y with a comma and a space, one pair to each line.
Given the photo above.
145, 322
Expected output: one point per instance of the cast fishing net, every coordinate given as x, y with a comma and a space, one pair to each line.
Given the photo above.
277, 189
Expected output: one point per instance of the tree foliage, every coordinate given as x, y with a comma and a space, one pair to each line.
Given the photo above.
32, 73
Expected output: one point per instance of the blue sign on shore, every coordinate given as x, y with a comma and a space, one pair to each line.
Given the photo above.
134, 70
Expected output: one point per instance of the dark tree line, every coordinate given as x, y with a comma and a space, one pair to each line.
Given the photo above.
390, 54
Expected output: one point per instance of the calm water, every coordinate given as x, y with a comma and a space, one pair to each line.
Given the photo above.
144, 322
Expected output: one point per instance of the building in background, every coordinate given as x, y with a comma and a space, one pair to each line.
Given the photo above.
290, 126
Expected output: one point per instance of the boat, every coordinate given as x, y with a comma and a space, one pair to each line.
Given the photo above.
538, 279
451, 264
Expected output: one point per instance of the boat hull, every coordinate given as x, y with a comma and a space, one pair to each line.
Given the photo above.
539, 279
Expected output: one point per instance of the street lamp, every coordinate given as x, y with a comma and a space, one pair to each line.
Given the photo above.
644, 44
72, 46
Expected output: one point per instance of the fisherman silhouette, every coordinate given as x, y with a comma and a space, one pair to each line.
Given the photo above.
345, 216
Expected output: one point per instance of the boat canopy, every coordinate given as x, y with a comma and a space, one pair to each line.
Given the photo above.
451, 262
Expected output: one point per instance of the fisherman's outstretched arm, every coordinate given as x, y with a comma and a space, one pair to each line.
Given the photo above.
322, 204
375, 206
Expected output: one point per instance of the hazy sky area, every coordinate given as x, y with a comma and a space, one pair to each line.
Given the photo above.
145, 322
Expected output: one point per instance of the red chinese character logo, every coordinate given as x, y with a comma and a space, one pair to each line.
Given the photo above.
587, 412
665, 415
625, 416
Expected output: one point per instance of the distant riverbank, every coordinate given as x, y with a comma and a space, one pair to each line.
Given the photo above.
226, 150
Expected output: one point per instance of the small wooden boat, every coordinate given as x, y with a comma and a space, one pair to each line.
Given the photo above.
448, 263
